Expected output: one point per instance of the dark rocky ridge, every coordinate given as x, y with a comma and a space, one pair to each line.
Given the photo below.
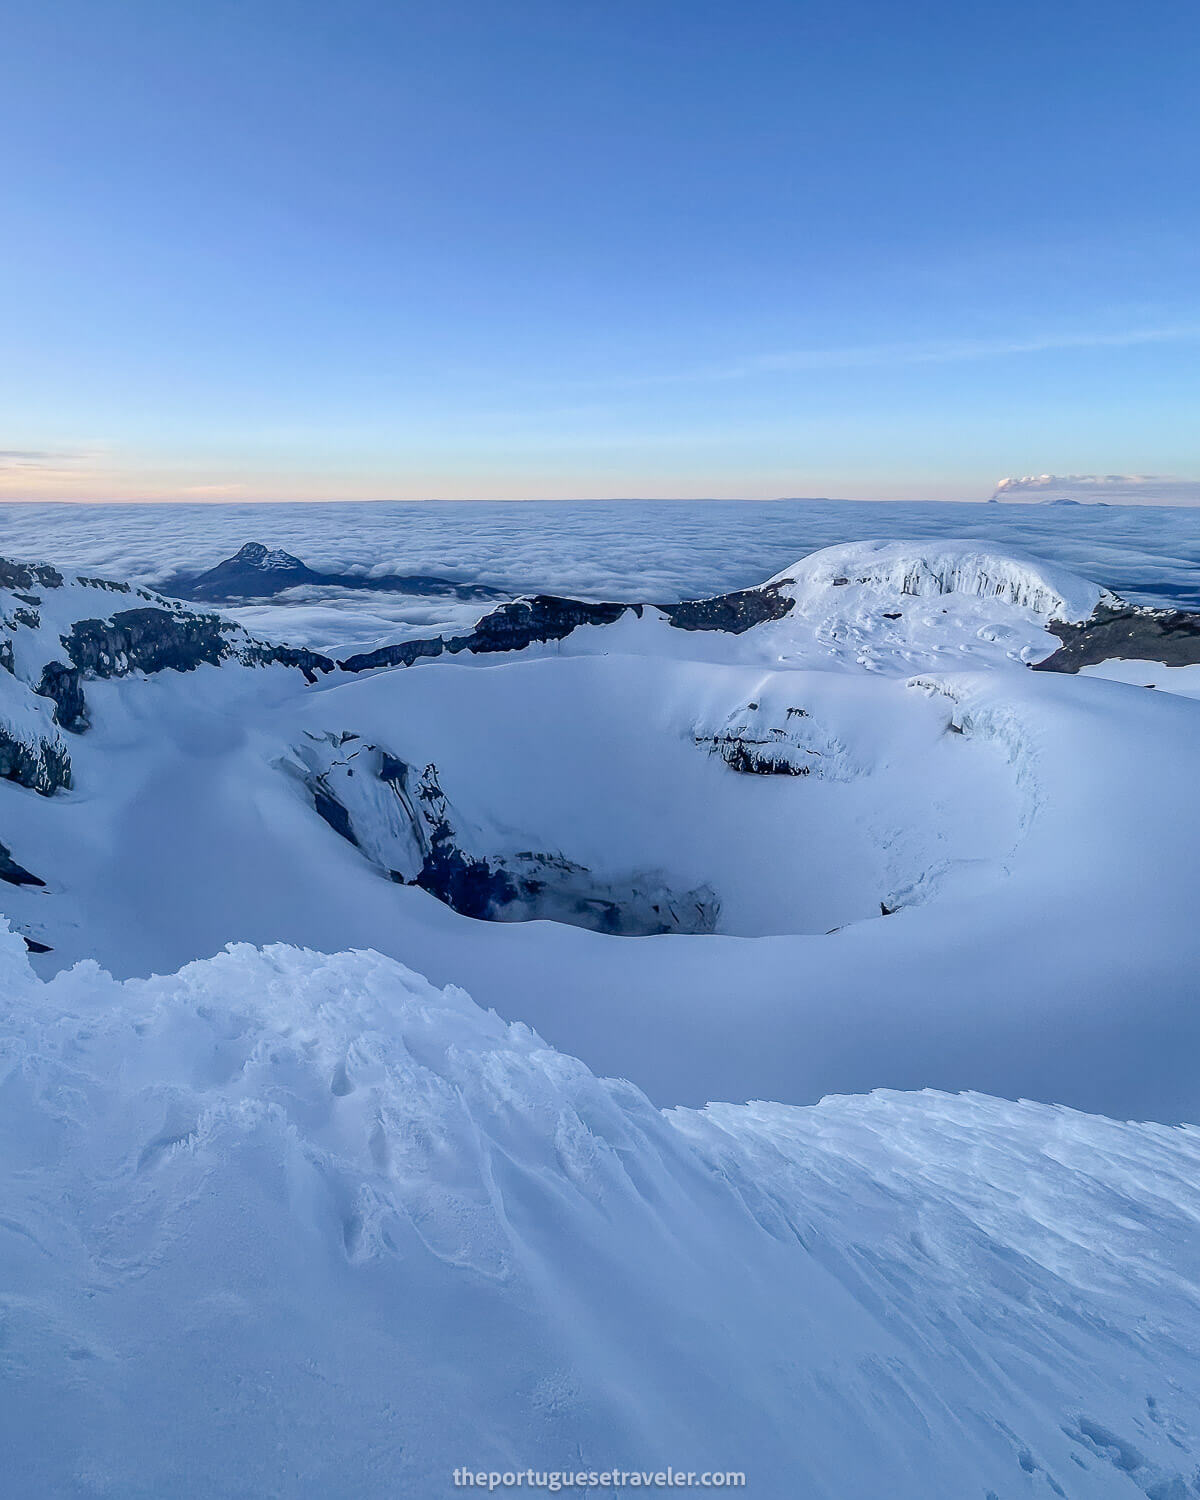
28, 576
145, 640
1125, 632
548, 617
155, 640
509, 627
733, 613
256, 572
160, 636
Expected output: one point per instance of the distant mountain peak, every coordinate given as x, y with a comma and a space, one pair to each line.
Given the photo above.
256, 571
253, 571
275, 560
1097, 489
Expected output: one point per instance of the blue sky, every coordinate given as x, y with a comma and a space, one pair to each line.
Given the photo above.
571, 248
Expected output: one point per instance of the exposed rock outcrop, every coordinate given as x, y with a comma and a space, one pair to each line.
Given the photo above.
28, 576
1126, 632
777, 740
755, 757
402, 820
548, 617
732, 613
509, 627
38, 762
14, 874
63, 685
145, 640
55, 641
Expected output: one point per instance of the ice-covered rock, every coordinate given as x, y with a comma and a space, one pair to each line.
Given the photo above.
402, 820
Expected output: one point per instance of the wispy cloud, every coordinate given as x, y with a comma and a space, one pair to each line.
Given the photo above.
932, 352
35, 461
50, 471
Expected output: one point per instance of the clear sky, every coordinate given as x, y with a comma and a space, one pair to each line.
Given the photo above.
306, 249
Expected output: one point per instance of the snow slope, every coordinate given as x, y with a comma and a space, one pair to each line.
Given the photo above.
293, 1225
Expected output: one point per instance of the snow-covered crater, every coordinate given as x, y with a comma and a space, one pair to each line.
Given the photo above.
640, 795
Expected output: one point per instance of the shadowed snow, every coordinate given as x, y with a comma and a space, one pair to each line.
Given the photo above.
293, 1225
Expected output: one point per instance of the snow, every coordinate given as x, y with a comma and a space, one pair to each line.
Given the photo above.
295, 1225
294, 1220
902, 569
1153, 674
619, 738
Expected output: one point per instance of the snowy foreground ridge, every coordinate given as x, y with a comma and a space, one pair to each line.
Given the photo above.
285, 1224
863, 840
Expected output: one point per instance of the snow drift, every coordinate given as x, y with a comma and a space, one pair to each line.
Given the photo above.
293, 1225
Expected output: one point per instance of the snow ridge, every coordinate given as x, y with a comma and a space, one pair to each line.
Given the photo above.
314, 1198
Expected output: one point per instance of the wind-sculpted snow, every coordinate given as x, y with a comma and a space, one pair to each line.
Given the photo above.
898, 569
293, 1225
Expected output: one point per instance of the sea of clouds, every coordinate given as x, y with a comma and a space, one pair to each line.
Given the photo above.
644, 550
